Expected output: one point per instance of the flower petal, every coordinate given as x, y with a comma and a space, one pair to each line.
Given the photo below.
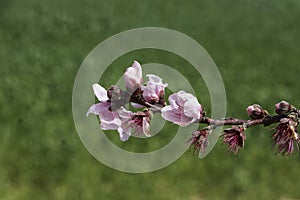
136, 65
154, 79
154, 89
146, 127
136, 105
95, 109
124, 134
100, 92
174, 101
169, 114
150, 93
133, 77
105, 113
124, 114
110, 125
192, 108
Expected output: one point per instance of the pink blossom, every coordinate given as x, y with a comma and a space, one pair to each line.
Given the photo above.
109, 120
100, 108
183, 110
133, 77
124, 129
155, 89
138, 123
121, 119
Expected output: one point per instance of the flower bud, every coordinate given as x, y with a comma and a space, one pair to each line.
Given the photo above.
114, 93
155, 89
255, 111
283, 108
133, 77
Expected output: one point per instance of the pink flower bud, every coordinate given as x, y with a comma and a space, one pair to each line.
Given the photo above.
133, 77
283, 108
155, 89
255, 111
114, 93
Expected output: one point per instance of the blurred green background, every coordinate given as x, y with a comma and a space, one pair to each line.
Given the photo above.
255, 44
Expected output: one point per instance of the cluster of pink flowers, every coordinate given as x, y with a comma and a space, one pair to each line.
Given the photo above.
184, 109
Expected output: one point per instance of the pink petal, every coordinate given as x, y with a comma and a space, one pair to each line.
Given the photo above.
124, 134
133, 77
100, 92
136, 65
174, 101
154, 79
150, 93
146, 128
95, 109
184, 95
102, 109
104, 112
154, 88
124, 114
136, 105
192, 108
110, 125
169, 114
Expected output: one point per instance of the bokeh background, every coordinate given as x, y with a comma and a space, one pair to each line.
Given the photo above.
254, 43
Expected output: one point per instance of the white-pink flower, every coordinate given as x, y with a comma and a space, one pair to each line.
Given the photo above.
122, 120
109, 120
133, 77
183, 110
99, 108
155, 89
138, 123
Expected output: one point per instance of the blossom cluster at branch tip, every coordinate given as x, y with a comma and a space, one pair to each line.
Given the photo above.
111, 110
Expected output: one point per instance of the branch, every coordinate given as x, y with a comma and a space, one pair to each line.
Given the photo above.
268, 120
183, 110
